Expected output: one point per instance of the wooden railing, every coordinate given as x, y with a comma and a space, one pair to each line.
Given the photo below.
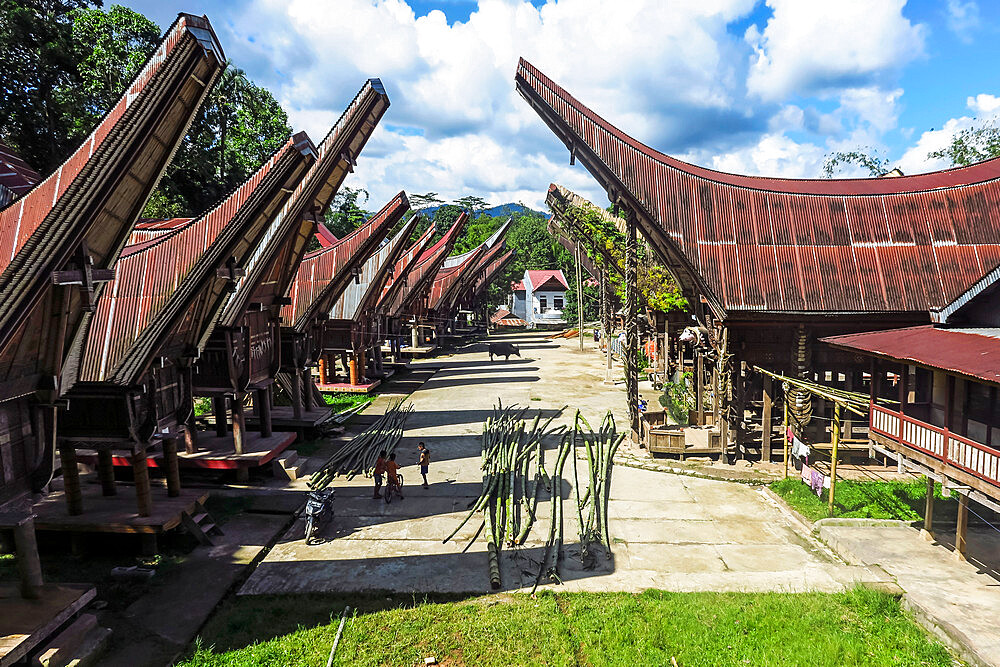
968, 455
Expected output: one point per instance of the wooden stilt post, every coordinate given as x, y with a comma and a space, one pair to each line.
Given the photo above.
263, 406
322, 371
579, 294
219, 408
297, 393
140, 472
354, 369
784, 427
190, 436
106, 471
928, 531
767, 432
307, 390
833, 456
239, 423
71, 479
631, 326
29, 567
171, 467
362, 365
699, 386
961, 525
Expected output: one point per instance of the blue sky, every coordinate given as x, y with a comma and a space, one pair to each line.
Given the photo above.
754, 86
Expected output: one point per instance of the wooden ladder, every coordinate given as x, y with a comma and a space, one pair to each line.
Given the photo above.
201, 524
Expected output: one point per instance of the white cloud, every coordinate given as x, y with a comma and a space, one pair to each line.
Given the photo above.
915, 160
809, 47
963, 18
773, 155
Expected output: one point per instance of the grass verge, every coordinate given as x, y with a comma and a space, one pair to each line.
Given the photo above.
857, 627
868, 500
342, 400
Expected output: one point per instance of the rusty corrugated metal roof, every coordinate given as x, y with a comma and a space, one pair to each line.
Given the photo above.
324, 274
422, 276
361, 294
558, 198
974, 353
404, 265
94, 198
449, 279
750, 244
167, 280
16, 176
272, 269
494, 268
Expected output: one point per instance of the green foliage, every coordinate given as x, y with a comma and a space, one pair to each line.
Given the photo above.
43, 105
471, 204
972, 145
341, 401
678, 398
865, 157
345, 213
858, 627
428, 200
903, 501
238, 127
445, 217
475, 232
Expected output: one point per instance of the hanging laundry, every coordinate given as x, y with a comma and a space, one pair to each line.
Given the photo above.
800, 450
816, 482
826, 481
789, 434
806, 474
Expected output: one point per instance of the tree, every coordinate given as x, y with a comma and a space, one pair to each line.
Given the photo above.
444, 217
865, 157
429, 200
471, 204
345, 213
40, 80
971, 145
237, 128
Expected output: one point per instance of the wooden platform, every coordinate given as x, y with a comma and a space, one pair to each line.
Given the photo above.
24, 624
283, 418
348, 388
117, 513
217, 453
419, 351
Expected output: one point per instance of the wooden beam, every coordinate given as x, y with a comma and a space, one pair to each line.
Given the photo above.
961, 526
928, 531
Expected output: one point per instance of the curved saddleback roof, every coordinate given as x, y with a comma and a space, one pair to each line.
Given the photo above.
77, 220
399, 277
16, 175
493, 269
324, 275
272, 268
492, 248
362, 294
168, 281
889, 245
449, 280
421, 278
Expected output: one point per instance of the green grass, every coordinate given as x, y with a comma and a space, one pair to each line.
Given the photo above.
341, 401
858, 627
870, 500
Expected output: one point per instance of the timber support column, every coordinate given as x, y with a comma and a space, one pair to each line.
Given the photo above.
106, 471
29, 567
140, 471
961, 525
297, 393
414, 336
190, 435
699, 386
739, 396
767, 433
219, 408
239, 424
307, 390
263, 405
171, 467
928, 530
71, 479
354, 369
631, 327
362, 365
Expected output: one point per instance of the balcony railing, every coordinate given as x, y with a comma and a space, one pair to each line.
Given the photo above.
967, 455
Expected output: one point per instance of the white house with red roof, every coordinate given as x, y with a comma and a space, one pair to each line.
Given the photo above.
538, 298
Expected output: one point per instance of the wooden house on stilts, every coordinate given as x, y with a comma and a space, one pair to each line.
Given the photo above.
58, 246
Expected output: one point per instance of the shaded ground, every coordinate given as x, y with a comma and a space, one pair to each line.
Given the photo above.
672, 532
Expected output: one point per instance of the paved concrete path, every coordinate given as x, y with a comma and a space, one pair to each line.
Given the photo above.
669, 531
959, 600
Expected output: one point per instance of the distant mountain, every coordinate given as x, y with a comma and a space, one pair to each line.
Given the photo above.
500, 211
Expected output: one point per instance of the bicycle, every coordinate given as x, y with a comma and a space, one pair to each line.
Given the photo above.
391, 488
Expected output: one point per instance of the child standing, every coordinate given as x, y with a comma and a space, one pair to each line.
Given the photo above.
379, 473
424, 461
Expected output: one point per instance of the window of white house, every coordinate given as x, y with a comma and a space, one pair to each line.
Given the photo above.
557, 302
542, 303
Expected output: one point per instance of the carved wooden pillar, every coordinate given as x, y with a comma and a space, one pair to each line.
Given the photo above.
239, 423
297, 394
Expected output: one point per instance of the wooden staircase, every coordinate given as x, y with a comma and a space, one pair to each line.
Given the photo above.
201, 524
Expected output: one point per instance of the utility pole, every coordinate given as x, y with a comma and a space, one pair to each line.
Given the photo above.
833, 455
579, 294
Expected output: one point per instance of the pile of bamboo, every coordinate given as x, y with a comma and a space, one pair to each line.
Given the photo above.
514, 476
513, 463
359, 455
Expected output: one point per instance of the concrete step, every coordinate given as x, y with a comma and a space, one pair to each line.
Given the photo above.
288, 466
78, 645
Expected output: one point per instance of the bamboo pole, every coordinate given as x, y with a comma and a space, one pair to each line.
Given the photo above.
833, 456
784, 430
